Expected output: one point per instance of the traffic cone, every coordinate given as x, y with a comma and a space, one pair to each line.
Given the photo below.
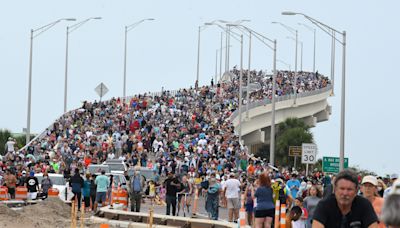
283, 216
196, 198
242, 214
277, 208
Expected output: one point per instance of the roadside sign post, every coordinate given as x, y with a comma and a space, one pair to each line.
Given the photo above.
309, 154
295, 151
331, 164
101, 90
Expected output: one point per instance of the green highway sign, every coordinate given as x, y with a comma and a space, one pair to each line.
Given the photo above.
331, 164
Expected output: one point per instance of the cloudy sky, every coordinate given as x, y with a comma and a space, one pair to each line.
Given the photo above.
163, 53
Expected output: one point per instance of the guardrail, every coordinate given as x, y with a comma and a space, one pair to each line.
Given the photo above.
279, 99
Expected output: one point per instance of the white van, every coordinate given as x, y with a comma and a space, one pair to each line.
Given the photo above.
65, 193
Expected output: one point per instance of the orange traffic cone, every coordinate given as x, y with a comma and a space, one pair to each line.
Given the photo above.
283, 216
277, 208
242, 214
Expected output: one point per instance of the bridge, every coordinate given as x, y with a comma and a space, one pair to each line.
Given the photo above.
311, 107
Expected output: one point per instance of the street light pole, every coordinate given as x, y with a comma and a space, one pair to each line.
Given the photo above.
240, 87
127, 29
248, 80
198, 56
216, 66
66, 71
272, 137
327, 30
28, 121
220, 57
125, 50
314, 32
301, 56
41, 30
294, 32
73, 28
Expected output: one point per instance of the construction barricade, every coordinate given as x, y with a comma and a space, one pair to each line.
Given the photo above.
21, 193
53, 192
4, 193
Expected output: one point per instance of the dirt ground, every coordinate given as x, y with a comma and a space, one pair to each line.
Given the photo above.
51, 213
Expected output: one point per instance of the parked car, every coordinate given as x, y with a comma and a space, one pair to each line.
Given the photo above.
96, 169
116, 165
65, 193
147, 173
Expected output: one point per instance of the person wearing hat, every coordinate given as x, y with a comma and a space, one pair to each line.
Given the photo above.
369, 189
393, 178
345, 208
32, 185
22, 178
10, 145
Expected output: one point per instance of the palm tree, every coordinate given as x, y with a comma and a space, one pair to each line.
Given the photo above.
291, 132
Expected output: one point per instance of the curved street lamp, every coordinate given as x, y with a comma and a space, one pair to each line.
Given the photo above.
331, 32
73, 28
127, 29
40, 30
295, 33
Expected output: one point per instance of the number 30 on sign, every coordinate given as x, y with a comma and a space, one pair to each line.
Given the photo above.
309, 155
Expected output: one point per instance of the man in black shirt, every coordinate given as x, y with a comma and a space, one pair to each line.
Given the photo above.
171, 184
344, 208
32, 184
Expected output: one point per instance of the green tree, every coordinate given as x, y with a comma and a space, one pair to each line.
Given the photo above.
291, 132
4, 135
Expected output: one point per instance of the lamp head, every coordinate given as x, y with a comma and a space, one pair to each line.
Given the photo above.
288, 13
150, 19
69, 19
96, 18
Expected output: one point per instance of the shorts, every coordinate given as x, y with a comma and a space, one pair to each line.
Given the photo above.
265, 213
31, 195
101, 197
233, 203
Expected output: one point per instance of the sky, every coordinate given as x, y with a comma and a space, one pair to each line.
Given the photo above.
163, 53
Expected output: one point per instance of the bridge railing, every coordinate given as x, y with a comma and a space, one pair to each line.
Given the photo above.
267, 101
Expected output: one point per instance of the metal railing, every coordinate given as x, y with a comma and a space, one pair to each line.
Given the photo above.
267, 101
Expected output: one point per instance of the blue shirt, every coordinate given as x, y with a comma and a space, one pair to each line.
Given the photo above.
86, 188
102, 183
264, 198
294, 186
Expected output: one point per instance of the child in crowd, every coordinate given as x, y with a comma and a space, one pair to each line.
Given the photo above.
304, 215
293, 217
152, 191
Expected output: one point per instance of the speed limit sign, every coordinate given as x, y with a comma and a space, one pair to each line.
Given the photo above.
309, 155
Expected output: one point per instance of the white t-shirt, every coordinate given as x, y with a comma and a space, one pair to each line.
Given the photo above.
10, 146
232, 188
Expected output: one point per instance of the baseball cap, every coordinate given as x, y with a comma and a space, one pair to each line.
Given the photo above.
394, 176
395, 188
370, 179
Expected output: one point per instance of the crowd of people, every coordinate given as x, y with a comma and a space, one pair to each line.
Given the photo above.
186, 138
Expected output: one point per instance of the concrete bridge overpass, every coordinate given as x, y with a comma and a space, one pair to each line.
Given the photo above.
312, 107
